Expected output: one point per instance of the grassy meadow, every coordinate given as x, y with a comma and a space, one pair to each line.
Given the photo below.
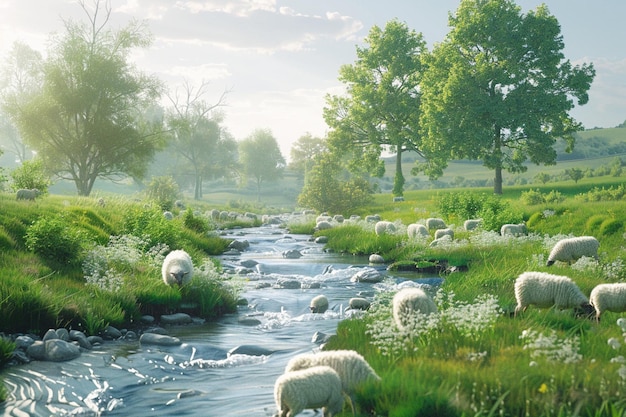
475, 358
60, 267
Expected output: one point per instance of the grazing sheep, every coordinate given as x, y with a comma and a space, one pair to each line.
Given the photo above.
177, 268
513, 230
571, 249
415, 230
608, 297
319, 304
338, 218
433, 223
359, 303
372, 218
168, 215
352, 368
439, 233
409, 301
442, 241
315, 387
384, 227
472, 224
546, 290
24, 194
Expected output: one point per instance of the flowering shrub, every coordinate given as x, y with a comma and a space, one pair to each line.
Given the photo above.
105, 266
551, 347
468, 320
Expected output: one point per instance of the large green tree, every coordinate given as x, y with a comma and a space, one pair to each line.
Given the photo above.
382, 106
197, 135
86, 120
303, 152
498, 89
260, 158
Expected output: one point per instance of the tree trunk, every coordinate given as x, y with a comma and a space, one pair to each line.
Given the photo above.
497, 181
398, 181
197, 195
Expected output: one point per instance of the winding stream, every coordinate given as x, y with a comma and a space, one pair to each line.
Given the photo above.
200, 377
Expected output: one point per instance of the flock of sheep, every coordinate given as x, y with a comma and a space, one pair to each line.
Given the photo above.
325, 379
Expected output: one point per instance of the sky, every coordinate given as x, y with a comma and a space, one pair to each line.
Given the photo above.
279, 59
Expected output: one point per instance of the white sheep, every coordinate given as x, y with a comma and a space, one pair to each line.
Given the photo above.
24, 194
472, 224
315, 387
573, 248
384, 227
439, 233
608, 297
319, 304
359, 303
168, 215
546, 290
409, 301
415, 230
177, 268
513, 230
352, 368
433, 223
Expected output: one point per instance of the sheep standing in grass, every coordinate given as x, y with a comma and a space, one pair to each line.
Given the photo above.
409, 301
472, 224
384, 227
608, 297
352, 368
24, 194
439, 233
546, 290
177, 268
433, 223
571, 249
513, 230
319, 304
315, 387
415, 230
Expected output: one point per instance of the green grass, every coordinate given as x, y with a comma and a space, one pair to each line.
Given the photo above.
494, 370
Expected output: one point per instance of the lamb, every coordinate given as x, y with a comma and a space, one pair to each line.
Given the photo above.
439, 233
513, 230
472, 224
384, 227
24, 194
318, 386
319, 304
573, 248
546, 290
352, 368
608, 297
177, 268
433, 223
415, 230
409, 301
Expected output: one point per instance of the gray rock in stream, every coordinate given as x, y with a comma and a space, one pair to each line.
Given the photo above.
55, 350
159, 339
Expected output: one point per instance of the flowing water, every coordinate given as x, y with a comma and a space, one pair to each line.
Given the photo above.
200, 377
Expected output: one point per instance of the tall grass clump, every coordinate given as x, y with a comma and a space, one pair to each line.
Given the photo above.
360, 239
54, 239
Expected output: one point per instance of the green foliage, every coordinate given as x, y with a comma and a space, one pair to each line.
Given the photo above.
356, 240
6, 349
534, 219
196, 223
382, 105
261, 159
324, 191
593, 223
150, 222
6, 241
87, 81
480, 76
496, 212
532, 197
30, 174
611, 226
56, 241
461, 206
603, 194
163, 191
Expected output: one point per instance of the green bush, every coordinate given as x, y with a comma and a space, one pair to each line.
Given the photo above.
164, 191
611, 226
195, 223
463, 206
53, 239
496, 212
29, 175
534, 219
150, 222
532, 197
